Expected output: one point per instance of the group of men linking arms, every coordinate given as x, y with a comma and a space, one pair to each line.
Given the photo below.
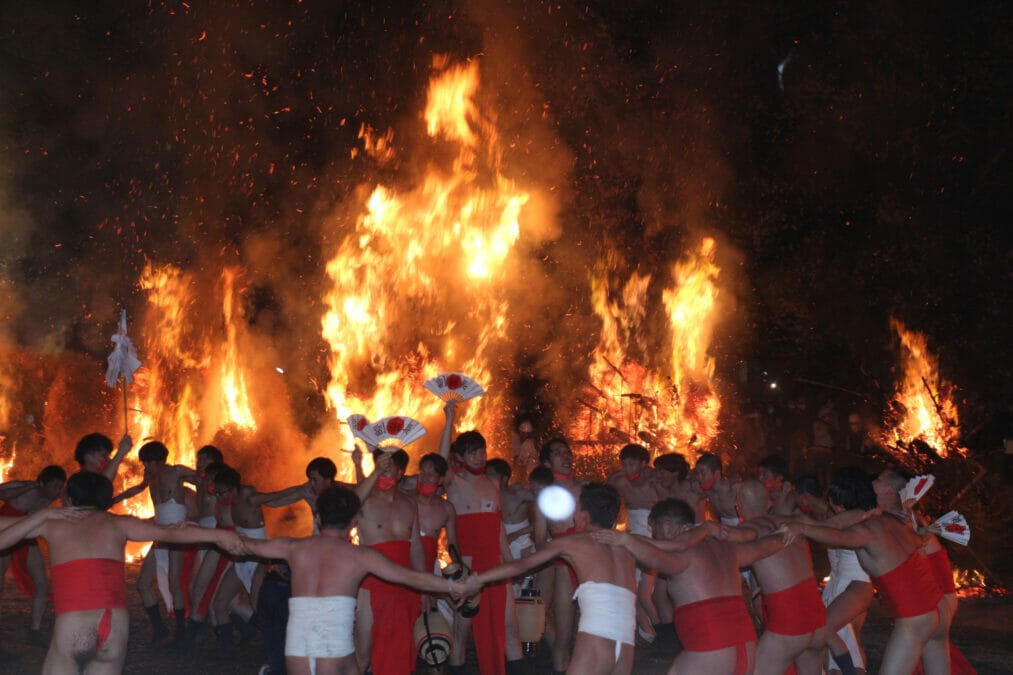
337, 587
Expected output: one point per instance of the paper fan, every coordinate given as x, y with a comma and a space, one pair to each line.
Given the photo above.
454, 387
393, 432
916, 488
357, 423
952, 526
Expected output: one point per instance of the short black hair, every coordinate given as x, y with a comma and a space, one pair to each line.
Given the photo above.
542, 475
153, 451
634, 451
467, 442
87, 488
51, 473
851, 488
672, 462
709, 461
92, 443
545, 452
322, 466
673, 509
227, 477
399, 458
213, 453
601, 502
775, 465
438, 462
500, 467
808, 484
336, 507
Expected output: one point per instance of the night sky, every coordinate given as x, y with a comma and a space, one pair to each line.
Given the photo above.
873, 184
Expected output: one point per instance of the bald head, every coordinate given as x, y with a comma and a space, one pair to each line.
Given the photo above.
754, 499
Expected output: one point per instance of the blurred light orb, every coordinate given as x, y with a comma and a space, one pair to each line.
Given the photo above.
556, 503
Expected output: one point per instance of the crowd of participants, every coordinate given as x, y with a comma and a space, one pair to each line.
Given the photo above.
710, 573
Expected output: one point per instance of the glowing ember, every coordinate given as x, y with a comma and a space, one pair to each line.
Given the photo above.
6, 465
924, 403
636, 393
416, 288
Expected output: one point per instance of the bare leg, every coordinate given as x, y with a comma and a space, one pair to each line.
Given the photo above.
201, 581
907, 640
462, 634
147, 579
37, 570
562, 603
513, 650
363, 629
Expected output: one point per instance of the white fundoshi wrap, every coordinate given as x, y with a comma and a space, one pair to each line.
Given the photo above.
636, 522
844, 568
320, 628
522, 542
246, 569
168, 512
607, 611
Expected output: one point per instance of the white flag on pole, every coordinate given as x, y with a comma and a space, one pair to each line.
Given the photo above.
123, 360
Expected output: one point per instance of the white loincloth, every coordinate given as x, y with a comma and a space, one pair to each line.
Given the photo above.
320, 628
636, 522
246, 569
732, 521
607, 611
521, 543
844, 568
167, 513
208, 522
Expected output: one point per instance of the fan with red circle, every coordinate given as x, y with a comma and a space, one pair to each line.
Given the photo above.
454, 387
392, 433
952, 526
357, 423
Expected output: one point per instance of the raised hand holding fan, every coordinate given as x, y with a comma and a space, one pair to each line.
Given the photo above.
394, 432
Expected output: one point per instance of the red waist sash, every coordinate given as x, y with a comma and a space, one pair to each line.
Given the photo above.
8, 510
398, 551
430, 545
19, 555
715, 623
478, 535
88, 584
942, 570
796, 610
909, 588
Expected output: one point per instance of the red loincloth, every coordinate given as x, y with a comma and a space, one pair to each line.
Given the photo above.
909, 588
942, 570
209, 593
19, 555
797, 610
395, 609
716, 623
478, 535
88, 584
431, 546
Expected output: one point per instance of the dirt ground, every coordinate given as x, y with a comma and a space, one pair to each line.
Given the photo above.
983, 631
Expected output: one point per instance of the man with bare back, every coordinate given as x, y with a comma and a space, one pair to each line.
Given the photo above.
165, 487
795, 620
326, 573
891, 553
483, 544
385, 613
89, 588
557, 456
606, 584
703, 582
24, 560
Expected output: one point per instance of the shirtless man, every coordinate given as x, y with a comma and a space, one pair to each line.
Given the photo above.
435, 513
773, 474
385, 613
212, 565
92, 454
168, 497
243, 510
557, 456
515, 502
606, 590
25, 561
483, 545
891, 554
320, 474
89, 589
887, 488
795, 619
718, 490
672, 481
703, 581
326, 573
639, 489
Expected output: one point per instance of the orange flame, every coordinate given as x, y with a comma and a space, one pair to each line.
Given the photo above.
666, 404
927, 410
415, 288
